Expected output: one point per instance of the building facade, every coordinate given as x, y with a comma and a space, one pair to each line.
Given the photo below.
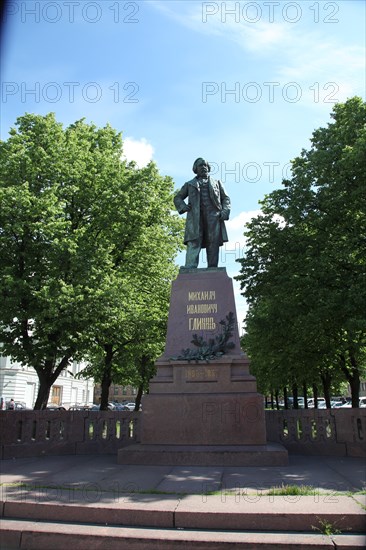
21, 383
121, 394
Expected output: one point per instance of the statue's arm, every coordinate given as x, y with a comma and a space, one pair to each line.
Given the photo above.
225, 203
179, 202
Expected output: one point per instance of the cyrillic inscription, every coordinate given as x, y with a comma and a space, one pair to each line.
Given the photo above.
202, 323
202, 296
201, 373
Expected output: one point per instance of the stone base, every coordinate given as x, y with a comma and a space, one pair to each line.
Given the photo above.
202, 403
200, 300
203, 419
204, 455
204, 413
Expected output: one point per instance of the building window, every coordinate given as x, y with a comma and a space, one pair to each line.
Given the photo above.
56, 394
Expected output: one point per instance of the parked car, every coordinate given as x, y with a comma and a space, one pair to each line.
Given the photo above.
55, 408
94, 407
79, 407
290, 403
321, 403
336, 404
120, 407
130, 406
361, 404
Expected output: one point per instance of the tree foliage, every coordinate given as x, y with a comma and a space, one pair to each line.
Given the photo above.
304, 270
85, 239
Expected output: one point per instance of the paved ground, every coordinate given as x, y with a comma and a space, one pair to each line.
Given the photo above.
100, 477
93, 502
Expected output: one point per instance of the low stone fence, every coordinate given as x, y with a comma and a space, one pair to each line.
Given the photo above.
340, 432
37, 433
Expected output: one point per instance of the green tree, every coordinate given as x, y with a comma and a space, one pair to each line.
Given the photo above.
131, 327
134, 364
304, 271
75, 222
126, 329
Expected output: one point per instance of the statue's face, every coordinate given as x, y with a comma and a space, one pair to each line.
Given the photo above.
202, 168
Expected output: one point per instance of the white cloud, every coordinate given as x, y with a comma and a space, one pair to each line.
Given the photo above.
241, 306
235, 228
234, 250
328, 72
201, 18
140, 151
325, 69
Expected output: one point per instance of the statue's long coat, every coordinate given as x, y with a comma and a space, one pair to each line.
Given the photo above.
219, 198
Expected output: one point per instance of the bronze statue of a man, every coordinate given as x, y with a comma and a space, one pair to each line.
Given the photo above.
207, 209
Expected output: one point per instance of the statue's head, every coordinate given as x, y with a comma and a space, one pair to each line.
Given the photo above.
199, 163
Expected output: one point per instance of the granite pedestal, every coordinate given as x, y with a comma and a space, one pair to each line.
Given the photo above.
203, 412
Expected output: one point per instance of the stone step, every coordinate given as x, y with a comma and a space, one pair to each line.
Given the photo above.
30, 535
271, 454
344, 514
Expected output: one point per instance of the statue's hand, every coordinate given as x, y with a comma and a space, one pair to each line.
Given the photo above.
186, 208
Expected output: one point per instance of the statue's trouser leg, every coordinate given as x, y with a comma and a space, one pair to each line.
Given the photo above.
193, 253
212, 237
212, 250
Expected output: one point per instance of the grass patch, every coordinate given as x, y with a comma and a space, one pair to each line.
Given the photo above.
326, 528
284, 490
356, 494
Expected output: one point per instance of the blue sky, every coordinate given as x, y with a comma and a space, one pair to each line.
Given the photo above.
243, 84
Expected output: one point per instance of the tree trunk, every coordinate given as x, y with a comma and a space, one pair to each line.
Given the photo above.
47, 375
315, 395
305, 393
355, 391
272, 400
285, 400
353, 378
355, 382
107, 377
140, 392
295, 394
43, 393
326, 381
277, 400
143, 367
